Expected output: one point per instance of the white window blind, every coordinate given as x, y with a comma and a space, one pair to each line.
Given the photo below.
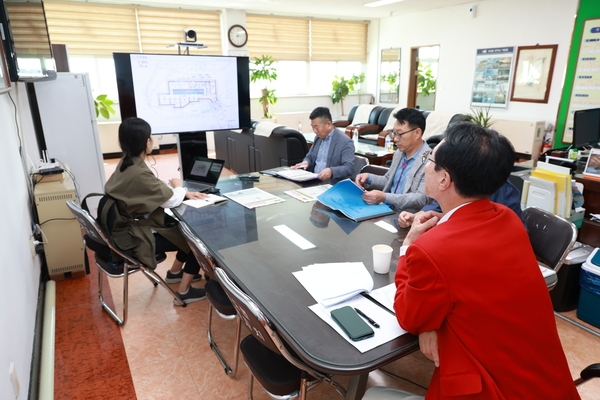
28, 28
94, 30
160, 28
98, 30
282, 38
338, 40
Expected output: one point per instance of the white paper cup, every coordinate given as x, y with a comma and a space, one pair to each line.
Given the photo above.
382, 258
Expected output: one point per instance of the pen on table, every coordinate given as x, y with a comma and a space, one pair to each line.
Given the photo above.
365, 316
367, 296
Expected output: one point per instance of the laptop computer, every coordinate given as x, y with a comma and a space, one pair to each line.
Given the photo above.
203, 174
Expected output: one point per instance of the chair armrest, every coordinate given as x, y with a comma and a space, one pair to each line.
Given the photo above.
381, 138
363, 129
341, 123
591, 371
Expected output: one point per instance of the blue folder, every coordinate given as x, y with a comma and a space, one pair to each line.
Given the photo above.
346, 197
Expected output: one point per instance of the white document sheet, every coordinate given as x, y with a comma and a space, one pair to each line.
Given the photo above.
307, 194
330, 284
388, 325
252, 198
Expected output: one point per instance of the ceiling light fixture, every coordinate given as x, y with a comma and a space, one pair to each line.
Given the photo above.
380, 3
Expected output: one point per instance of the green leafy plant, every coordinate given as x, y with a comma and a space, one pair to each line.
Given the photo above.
425, 80
341, 87
264, 71
481, 117
103, 106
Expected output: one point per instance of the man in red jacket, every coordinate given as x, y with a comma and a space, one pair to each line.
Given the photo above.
468, 283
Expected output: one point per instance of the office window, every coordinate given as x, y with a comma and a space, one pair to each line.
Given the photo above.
101, 71
161, 29
282, 38
322, 73
99, 30
338, 40
92, 29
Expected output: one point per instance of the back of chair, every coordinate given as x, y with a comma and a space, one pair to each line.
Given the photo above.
375, 169
95, 232
256, 321
359, 163
199, 249
551, 237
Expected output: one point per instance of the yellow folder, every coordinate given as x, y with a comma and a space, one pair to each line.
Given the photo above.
562, 203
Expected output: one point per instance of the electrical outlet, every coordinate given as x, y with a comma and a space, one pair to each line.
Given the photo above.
32, 246
12, 372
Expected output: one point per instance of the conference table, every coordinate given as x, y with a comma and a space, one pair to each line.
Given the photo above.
261, 261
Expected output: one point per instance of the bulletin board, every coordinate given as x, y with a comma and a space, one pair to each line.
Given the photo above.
582, 80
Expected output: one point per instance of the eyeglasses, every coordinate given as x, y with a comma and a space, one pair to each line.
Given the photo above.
425, 157
397, 135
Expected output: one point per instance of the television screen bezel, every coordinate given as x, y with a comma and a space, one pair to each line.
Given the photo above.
16, 75
579, 143
127, 96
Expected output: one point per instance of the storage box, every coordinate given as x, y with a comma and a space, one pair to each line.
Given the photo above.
589, 296
565, 295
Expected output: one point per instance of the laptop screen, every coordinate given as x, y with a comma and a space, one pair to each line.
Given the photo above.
205, 170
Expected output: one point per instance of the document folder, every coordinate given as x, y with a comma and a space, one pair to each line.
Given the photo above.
346, 197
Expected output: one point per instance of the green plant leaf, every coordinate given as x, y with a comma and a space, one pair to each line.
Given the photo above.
104, 113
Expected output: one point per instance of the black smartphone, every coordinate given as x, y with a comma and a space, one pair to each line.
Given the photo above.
354, 326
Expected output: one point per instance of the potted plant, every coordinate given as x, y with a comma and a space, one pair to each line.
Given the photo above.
341, 87
425, 80
481, 117
264, 70
103, 106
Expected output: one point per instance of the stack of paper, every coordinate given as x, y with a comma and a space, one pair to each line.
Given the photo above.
549, 188
333, 283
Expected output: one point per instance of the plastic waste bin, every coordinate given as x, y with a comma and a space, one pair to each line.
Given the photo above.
565, 295
589, 295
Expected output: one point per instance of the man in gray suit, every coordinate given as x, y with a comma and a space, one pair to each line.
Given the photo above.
402, 186
332, 153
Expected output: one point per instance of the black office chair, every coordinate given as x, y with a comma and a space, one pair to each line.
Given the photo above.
217, 298
122, 265
551, 237
278, 369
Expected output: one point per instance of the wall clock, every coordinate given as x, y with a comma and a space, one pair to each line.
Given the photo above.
238, 36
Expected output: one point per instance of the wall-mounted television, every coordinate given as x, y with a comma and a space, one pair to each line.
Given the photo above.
586, 127
26, 41
184, 93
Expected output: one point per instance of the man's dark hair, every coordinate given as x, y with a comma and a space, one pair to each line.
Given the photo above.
320, 112
133, 138
478, 160
413, 117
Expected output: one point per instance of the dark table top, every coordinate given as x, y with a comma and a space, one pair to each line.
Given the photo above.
261, 261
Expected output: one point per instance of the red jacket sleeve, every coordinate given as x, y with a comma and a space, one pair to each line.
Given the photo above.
422, 299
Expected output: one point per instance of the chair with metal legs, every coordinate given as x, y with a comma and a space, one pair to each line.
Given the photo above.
217, 298
280, 372
122, 265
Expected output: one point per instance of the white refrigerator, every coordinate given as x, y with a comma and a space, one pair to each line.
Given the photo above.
68, 120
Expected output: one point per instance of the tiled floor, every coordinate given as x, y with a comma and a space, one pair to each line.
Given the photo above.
166, 353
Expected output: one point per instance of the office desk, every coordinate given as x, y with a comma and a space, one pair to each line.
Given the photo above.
261, 261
